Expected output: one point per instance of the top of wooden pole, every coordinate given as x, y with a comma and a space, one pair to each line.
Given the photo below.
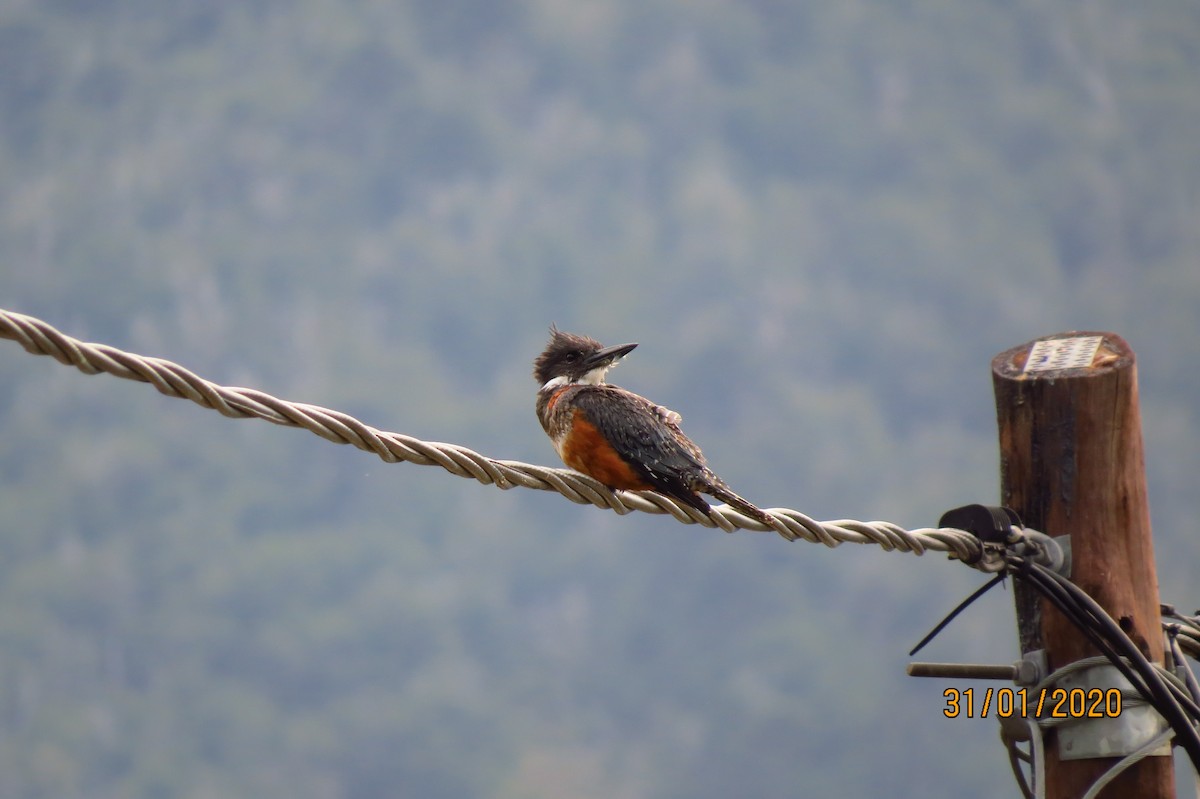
1072, 464
1050, 356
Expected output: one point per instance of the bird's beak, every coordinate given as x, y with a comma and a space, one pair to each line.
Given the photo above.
609, 356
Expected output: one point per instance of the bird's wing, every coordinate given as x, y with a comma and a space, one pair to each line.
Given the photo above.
652, 440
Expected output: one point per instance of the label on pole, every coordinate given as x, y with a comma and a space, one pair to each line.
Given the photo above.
1053, 354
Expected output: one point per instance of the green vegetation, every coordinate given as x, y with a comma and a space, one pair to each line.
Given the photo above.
819, 220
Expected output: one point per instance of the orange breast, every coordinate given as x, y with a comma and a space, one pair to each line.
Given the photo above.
587, 451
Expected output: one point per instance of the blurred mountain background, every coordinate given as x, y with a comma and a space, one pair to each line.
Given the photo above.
820, 221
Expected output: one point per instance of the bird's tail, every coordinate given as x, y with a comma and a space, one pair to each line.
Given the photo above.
722, 492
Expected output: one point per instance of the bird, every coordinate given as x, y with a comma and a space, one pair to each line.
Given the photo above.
620, 438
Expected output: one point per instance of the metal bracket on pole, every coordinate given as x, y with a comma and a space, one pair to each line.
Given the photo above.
1103, 718
995, 524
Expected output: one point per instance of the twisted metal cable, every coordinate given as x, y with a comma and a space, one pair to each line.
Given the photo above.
171, 379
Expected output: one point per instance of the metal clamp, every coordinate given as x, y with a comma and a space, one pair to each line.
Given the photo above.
1104, 733
1001, 526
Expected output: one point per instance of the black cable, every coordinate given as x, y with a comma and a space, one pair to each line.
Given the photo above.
1061, 600
1060, 593
1118, 635
941, 625
1172, 700
1189, 679
1164, 697
1092, 620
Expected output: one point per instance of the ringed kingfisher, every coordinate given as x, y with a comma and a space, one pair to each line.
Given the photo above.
621, 439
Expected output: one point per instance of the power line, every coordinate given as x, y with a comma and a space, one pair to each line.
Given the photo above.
173, 380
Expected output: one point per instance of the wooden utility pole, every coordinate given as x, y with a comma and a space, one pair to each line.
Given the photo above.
1071, 463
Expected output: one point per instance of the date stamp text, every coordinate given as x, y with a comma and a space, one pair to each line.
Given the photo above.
1054, 703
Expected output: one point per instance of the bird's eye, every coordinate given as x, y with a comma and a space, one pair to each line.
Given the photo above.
572, 356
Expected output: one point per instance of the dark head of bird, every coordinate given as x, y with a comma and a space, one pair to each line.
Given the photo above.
569, 358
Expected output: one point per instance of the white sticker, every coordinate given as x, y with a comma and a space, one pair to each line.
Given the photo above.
1062, 353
